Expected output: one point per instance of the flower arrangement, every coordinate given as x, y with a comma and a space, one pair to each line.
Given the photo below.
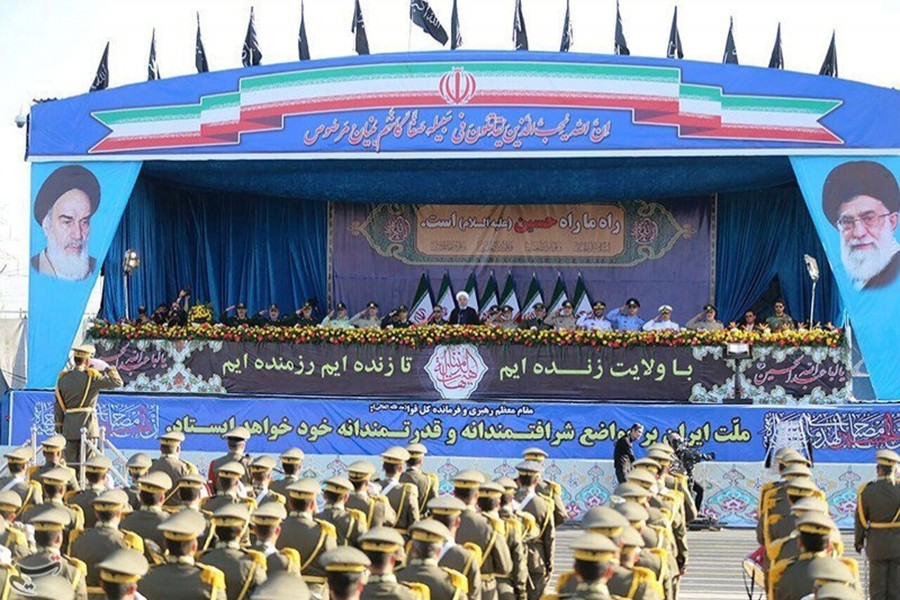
417, 337
200, 314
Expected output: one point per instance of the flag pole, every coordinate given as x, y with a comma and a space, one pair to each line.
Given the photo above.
409, 30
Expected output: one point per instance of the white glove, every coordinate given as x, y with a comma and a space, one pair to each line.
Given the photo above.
100, 365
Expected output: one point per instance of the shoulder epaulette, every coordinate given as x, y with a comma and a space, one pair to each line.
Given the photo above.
411, 488
192, 468
357, 515
69, 495
279, 497
457, 580
434, 480
133, 540
851, 564
514, 524
16, 537
648, 578
327, 527
211, 576
419, 590
250, 502
475, 549
79, 516
78, 564
550, 597
528, 520
258, 557
555, 488
383, 499
293, 558
564, 580
74, 535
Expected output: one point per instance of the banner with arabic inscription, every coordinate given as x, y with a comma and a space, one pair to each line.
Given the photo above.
697, 374
566, 431
659, 252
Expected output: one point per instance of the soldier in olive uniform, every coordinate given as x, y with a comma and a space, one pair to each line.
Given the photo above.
53, 484
95, 471
520, 529
92, 546
13, 534
228, 481
346, 572
403, 497
375, 507
77, 392
428, 537
145, 521
663, 454
120, 573
427, 483
563, 318
171, 464
463, 558
877, 527
244, 569
791, 464
261, 469
137, 466
547, 488
541, 549
50, 522
267, 520
237, 443
383, 545
190, 488
291, 463
787, 547
348, 523
651, 556
52, 449
17, 480
309, 536
595, 558
282, 586
181, 577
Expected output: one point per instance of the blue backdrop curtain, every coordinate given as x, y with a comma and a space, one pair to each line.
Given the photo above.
225, 247
763, 235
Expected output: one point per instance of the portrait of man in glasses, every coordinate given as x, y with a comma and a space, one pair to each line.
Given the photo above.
861, 200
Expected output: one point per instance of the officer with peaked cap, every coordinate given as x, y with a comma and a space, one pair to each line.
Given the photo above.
228, 481
428, 537
349, 523
309, 536
291, 463
145, 522
77, 392
181, 577
383, 546
13, 533
95, 471
664, 456
53, 485
520, 529
17, 464
651, 556
403, 497
120, 573
93, 545
170, 463
464, 558
629, 579
547, 488
282, 585
261, 480
50, 522
595, 557
346, 571
375, 507
137, 466
877, 526
787, 547
52, 449
541, 548
427, 483
266, 521
189, 489
244, 569
237, 443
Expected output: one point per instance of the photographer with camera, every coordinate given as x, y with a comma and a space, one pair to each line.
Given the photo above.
686, 459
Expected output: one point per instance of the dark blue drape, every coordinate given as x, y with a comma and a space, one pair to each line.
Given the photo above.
225, 247
763, 235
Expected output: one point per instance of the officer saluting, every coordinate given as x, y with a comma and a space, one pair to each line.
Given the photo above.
877, 527
76, 399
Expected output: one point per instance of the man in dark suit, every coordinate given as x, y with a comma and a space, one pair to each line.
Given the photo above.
623, 456
463, 314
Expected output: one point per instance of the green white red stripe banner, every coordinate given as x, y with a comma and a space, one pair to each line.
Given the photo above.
654, 95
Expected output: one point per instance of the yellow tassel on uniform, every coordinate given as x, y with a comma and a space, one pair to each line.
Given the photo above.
419, 590
327, 527
212, 576
457, 580
258, 557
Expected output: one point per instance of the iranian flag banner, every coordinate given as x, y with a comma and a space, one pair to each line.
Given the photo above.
421, 306
489, 297
508, 297
445, 297
534, 296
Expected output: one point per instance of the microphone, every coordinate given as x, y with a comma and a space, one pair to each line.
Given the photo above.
812, 267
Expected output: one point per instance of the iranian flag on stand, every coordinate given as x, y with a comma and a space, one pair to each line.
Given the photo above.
445, 297
472, 290
422, 305
534, 296
559, 296
582, 302
508, 297
489, 298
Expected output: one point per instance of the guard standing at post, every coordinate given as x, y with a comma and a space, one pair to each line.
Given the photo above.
877, 527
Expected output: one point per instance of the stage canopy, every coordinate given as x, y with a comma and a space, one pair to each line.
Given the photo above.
202, 166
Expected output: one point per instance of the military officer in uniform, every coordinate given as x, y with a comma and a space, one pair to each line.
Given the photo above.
145, 521
261, 480
190, 489
520, 528
137, 466
787, 547
13, 534
346, 572
52, 449
181, 577
463, 558
403, 497
228, 480
427, 483
595, 558
53, 484
564, 318
367, 317
91, 546
309, 536
244, 569
281, 586
95, 471
266, 521
349, 523
17, 480
548, 489
428, 537
50, 522
375, 507
120, 573
383, 545
170, 463
237, 443
877, 526
240, 318
76, 399
542, 547
651, 556
291, 462
836, 591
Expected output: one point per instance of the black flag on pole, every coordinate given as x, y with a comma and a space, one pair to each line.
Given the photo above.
101, 79
251, 55
152, 65
359, 28
520, 36
456, 40
674, 49
199, 52
730, 56
568, 34
302, 42
830, 65
421, 14
620, 46
776, 61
